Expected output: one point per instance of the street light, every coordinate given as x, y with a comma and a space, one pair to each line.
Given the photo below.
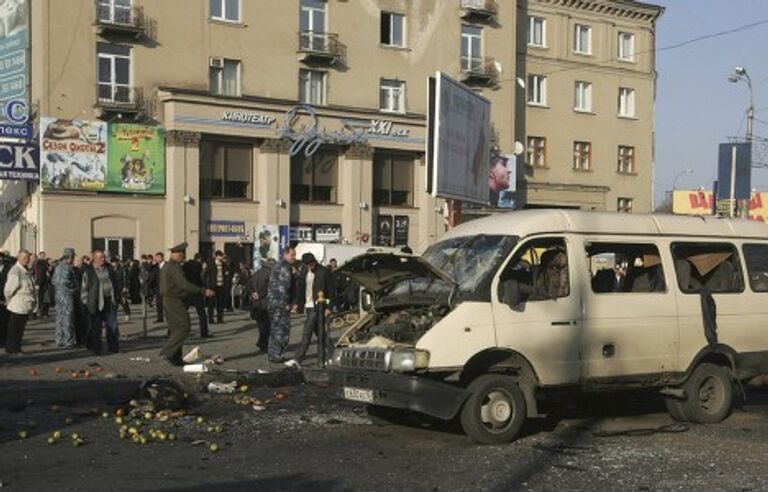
674, 181
740, 74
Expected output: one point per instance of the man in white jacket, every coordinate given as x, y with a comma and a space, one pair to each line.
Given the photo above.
20, 300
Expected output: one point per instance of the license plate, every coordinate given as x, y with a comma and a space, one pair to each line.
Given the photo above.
356, 394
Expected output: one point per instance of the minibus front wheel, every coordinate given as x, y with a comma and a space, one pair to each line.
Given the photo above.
708, 394
495, 410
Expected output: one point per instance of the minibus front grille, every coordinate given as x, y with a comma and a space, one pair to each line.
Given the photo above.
365, 358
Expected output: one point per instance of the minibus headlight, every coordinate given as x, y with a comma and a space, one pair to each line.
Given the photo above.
336, 360
409, 360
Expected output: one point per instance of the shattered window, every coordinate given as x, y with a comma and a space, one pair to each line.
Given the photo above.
756, 257
625, 268
711, 266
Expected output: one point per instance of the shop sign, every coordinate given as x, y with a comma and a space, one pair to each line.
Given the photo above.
19, 161
136, 159
14, 70
16, 131
378, 128
229, 228
700, 202
254, 119
327, 233
301, 233
300, 126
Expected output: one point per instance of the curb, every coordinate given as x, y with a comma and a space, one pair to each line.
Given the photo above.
67, 392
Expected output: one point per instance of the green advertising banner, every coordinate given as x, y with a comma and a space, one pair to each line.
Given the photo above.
136, 159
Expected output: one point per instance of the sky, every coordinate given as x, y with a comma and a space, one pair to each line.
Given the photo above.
696, 106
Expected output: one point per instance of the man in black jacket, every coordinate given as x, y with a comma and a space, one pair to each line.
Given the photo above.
41, 271
257, 289
316, 282
193, 272
98, 292
217, 278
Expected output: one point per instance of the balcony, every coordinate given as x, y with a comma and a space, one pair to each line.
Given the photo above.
480, 71
117, 19
114, 98
480, 10
321, 48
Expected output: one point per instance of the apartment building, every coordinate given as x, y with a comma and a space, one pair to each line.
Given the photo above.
588, 68
222, 83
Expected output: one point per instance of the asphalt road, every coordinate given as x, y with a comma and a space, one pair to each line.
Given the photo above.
312, 441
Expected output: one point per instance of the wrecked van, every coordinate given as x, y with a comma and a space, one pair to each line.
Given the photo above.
507, 311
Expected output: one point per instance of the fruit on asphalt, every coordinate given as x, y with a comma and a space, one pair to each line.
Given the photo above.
104, 415
74, 375
214, 447
243, 389
57, 370
57, 435
51, 440
279, 396
148, 416
119, 412
200, 420
132, 431
119, 420
87, 374
69, 420
22, 434
55, 408
75, 436
33, 372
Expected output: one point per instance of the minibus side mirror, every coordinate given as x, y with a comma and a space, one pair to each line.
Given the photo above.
366, 300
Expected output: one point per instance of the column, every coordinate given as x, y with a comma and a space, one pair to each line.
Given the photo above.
356, 194
273, 181
182, 189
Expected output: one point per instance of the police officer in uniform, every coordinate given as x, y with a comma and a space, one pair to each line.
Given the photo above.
176, 289
281, 303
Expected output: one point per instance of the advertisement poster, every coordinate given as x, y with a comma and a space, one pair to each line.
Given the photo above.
460, 133
384, 230
14, 41
73, 154
136, 159
501, 181
267, 243
401, 230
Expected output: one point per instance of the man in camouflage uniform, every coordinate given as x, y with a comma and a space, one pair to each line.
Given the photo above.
65, 287
175, 289
281, 304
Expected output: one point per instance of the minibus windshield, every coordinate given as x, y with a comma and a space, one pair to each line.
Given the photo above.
470, 260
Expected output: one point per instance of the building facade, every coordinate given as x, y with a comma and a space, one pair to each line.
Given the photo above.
586, 116
308, 116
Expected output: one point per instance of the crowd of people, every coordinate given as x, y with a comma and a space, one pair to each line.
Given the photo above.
89, 293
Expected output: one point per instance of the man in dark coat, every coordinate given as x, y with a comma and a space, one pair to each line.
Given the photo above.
41, 271
176, 290
98, 295
193, 271
218, 278
257, 289
316, 285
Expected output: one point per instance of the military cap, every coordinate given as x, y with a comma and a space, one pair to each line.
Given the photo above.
68, 253
180, 248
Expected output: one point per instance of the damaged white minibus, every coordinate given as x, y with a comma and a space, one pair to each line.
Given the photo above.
510, 309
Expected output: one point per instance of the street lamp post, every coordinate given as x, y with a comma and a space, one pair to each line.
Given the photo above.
674, 181
740, 74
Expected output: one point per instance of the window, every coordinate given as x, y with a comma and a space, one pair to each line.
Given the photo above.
622, 267
392, 29
471, 48
392, 180
582, 42
115, 11
537, 32
624, 205
537, 272
583, 97
582, 156
312, 87
312, 24
537, 90
392, 96
224, 77
225, 10
626, 46
314, 178
537, 151
756, 257
626, 102
714, 266
114, 73
226, 170
626, 164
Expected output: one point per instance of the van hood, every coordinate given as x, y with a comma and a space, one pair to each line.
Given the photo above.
375, 271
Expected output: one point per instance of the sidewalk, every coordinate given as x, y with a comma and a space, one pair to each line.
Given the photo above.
235, 340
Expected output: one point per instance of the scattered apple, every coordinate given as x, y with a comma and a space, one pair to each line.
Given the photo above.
22, 434
214, 448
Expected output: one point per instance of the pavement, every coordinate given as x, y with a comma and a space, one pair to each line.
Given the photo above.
45, 367
300, 436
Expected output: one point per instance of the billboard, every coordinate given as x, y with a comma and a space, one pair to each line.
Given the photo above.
14, 41
73, 154
742, 153
458, 142
700, 202
267, 243
502, 178
136, 159
19, 161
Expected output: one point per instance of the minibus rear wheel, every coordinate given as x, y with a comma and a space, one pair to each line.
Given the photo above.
495, 410
709, 394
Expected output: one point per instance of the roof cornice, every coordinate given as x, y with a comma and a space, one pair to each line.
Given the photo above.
628, 9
